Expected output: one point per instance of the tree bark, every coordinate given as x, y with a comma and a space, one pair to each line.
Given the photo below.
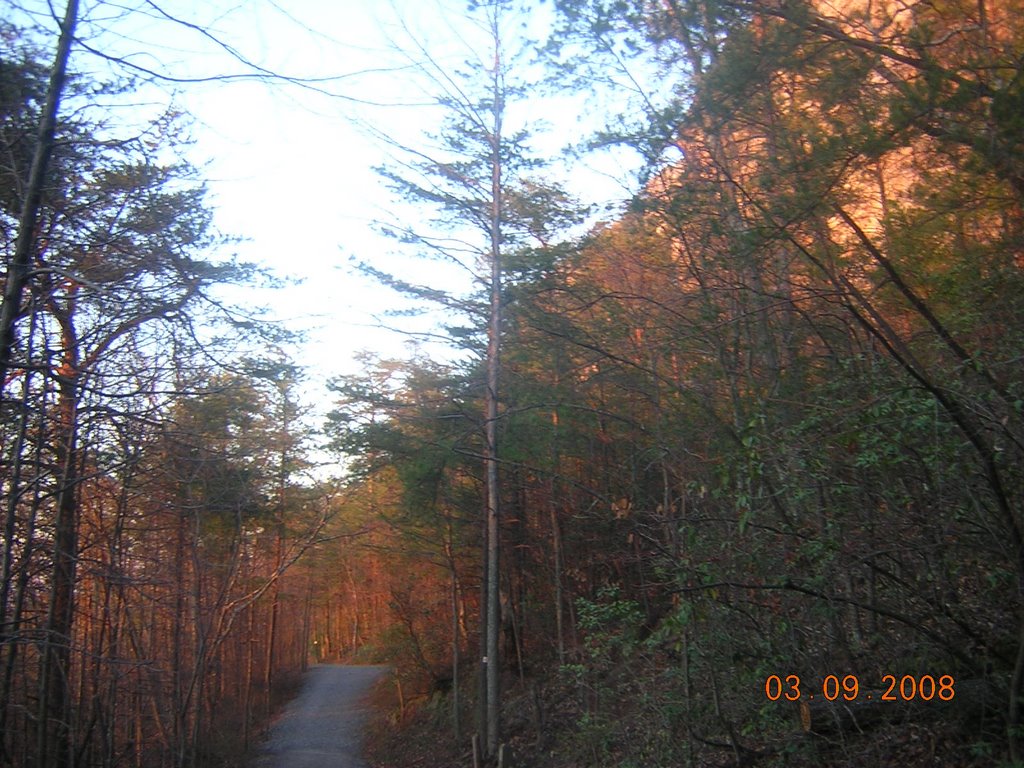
493, 366
54, 728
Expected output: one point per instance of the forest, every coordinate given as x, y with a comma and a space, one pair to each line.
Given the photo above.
730, 473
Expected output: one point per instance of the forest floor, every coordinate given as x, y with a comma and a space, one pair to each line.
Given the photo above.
325, 723
422, 737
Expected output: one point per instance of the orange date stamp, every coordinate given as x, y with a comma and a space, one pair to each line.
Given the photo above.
848, 688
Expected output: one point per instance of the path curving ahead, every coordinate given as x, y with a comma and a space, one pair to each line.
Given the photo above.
323, 726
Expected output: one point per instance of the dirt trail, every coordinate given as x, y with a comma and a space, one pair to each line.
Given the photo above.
323, 726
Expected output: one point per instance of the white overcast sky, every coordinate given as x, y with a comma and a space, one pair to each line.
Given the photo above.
288, 169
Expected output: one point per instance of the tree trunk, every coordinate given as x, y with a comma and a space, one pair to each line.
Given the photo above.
275, 590
54, 726
491, 454
250, 674
493, 367
9, 625
449, 551
18, 269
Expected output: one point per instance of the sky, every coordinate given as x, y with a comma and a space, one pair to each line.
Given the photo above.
291, 170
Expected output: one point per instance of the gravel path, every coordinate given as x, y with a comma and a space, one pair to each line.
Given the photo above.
322, 727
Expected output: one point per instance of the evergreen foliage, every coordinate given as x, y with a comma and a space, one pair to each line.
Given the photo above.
768, 421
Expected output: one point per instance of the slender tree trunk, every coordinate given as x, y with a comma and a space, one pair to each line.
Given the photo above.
454, 595
275, 590
481, 688
19, 606
491, 451
556, 546
307, 616
178, 642
12, 493
250, 674
556, 532
9, 625
54, 719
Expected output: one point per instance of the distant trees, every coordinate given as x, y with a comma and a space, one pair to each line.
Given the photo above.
149, 503
767, 420
815, 317
474, 178
770, 417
